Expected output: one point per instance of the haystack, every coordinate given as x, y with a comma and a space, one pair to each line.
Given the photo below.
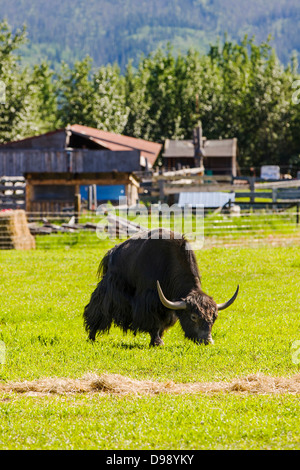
14, 231
256, 384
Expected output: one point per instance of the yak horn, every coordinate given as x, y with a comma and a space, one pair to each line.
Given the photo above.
229, 302
179, 305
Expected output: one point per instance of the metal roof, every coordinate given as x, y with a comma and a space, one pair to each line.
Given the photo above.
205, 199
220, 148
111, 141
179, 148
212, 148
107, 140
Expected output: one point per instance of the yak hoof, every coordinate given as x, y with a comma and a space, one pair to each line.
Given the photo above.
157, 342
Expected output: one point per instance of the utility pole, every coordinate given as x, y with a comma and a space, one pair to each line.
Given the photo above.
198, 145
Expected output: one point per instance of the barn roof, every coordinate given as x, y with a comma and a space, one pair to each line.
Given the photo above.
103, 139
111, 141
212, 148
220, 148
179, 148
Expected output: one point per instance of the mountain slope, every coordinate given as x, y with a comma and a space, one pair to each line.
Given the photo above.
119, 30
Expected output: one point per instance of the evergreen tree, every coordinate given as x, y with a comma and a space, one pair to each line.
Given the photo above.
236, 90
94, 98
23, 113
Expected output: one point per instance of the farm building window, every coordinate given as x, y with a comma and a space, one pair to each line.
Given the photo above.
105, 192
53, 192
219, 165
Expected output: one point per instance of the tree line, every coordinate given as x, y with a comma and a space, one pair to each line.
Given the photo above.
235, 90
116, 30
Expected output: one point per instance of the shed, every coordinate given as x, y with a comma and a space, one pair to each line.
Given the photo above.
83, 137
219, 156
59, 164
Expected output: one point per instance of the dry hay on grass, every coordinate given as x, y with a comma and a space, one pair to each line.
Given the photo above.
120, 385
14, 231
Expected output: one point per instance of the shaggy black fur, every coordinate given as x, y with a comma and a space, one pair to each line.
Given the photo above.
127, 292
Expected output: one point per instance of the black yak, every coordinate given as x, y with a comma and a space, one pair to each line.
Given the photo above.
139, 276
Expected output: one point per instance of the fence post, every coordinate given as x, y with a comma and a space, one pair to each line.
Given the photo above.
77, 207
161, 184
274, 198
95, 196
252, 188
92, 197
297, 213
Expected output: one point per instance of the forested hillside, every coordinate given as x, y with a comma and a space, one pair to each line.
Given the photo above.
118, 30
236, 90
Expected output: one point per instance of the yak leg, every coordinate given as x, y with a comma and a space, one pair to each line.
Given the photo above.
156, 338
157, 334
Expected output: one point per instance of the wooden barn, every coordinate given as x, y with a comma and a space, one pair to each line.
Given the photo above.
219, 157
61, 164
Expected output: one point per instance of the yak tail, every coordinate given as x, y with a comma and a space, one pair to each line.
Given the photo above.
96, 314
103, 266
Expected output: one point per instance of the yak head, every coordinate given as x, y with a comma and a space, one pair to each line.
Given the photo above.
197, 313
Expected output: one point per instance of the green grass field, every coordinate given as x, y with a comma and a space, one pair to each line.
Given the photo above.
216, 228
43, 293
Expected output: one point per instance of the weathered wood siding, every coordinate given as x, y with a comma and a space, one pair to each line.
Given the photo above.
50, 207
15, 162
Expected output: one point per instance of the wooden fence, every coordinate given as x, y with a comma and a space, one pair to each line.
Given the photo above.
253, 191
12, 193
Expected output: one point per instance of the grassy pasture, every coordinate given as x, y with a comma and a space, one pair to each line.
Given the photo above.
216, 228
42, 297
